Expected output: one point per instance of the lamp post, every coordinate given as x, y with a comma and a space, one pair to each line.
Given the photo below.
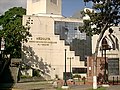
105, 47
65, 86
70, 66
65, 83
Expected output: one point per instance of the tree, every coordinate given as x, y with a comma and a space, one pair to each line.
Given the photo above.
13, 31
104, 15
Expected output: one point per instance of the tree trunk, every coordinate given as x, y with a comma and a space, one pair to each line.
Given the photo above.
95, 56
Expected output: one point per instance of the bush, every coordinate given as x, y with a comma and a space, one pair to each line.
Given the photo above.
36, 73
77, 76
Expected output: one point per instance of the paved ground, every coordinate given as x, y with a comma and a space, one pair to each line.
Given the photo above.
33, 86
48, 86
80, 87
45, 86
114, 87
86, 87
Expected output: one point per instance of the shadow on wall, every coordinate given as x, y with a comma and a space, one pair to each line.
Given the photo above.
32, 60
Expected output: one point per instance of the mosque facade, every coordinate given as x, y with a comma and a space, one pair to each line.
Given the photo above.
55, 40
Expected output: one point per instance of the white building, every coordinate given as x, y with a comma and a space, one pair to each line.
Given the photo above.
113, 54
52, 34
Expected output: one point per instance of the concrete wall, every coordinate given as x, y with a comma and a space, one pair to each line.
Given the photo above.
36, 7
54, 8
44, 50
43, 7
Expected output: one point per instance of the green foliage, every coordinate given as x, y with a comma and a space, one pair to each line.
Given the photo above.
77, 76
99, 88
13, 31
36, 73
105, 12
25, 67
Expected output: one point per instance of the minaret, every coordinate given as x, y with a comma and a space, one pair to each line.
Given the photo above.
36, 7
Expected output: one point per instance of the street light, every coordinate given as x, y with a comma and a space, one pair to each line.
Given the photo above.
70, 66
65, 83
65, 86
105, 47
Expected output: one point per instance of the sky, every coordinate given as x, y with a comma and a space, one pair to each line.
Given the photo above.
69, 7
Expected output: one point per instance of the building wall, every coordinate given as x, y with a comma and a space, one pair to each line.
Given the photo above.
43, 7
54, 8
114, 52
79, 42
36, 6
44, 50
100, 69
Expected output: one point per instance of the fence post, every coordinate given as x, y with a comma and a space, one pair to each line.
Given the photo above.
113, 80
117, 79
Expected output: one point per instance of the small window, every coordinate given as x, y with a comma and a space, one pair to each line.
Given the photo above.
54, 1
34, 1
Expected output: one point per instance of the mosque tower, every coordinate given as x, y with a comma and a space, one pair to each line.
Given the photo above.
43, 7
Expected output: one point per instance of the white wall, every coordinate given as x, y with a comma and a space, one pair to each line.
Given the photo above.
43, 7
48, 51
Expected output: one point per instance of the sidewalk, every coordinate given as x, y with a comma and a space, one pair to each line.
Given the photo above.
48, 86
45, 86
86, 87
33, 86
81, 87
114, 87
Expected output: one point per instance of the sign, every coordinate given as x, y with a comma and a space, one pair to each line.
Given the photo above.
44, 41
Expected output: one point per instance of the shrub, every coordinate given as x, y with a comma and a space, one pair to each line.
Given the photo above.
77, 76
36, 73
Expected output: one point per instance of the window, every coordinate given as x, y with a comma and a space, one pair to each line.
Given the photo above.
113, 66
34, 1
54, 1
79, 70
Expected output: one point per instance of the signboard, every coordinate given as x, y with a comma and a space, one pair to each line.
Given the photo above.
43, 41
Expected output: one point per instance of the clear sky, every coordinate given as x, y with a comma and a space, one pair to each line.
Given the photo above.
69, 7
